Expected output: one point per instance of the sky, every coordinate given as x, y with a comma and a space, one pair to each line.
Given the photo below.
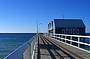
21, 16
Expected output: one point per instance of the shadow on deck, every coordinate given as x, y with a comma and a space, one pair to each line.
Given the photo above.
53, 51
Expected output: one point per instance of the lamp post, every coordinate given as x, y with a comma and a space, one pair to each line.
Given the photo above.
38, 54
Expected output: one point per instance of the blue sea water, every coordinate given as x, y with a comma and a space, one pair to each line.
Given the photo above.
10, 41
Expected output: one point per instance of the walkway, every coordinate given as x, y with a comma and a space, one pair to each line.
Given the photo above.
48, 50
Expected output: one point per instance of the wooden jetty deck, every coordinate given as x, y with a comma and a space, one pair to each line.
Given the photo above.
53, 49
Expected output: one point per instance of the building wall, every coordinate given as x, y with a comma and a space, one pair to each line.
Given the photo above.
65, 30
82, 31
72, 30
50, 28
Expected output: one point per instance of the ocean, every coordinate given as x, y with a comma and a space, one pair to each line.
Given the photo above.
10, 41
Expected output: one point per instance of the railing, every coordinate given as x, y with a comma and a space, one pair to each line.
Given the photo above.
26, 51
78, 41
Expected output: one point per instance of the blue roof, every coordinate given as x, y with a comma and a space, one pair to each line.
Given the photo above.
69, 23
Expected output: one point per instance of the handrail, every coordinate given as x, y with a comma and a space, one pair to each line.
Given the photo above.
17, 53
81, 41
75, 35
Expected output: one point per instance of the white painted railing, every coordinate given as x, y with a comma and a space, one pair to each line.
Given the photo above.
78, 41
25, 51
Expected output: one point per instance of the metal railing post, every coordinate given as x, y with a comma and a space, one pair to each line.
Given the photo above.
78, 41
65, 39
71, 40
